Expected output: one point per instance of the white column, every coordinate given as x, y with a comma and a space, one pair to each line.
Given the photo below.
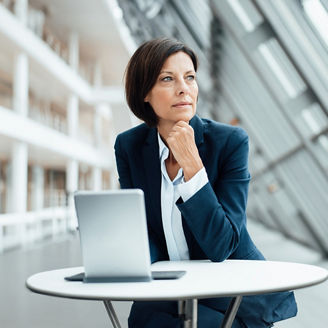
72, 176
20, 87
17, 196
73, 116
21, 10
8, 186
96, 178
113, 179
37, 197
73, 102
97, 75
18, 178
38, 188
97, 126
72, 168
105, 111
114, 184
72, 171
111, 127
73, 45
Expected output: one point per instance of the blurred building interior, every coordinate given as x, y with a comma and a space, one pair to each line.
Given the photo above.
263, 66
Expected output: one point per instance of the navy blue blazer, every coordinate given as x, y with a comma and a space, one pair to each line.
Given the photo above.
214, 219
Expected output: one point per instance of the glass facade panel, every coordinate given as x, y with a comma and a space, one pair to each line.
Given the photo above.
309, 187
247, 14
283, 70
318, 16
320, 147
311, 120
201, 18
257, 209
254, 104
256, 160
287, 213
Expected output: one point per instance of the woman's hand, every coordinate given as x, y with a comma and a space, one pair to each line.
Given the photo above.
181, 141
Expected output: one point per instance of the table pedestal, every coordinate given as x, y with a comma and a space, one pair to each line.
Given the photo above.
187, 312
112, 314
231, 312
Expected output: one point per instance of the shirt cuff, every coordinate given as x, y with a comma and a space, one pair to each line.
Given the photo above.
189, 188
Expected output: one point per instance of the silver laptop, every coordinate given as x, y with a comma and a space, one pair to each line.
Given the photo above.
114, 238
113, 235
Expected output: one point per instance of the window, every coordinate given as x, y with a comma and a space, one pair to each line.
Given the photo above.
311, 120
247, 14
281, 67
321, 149
318, 16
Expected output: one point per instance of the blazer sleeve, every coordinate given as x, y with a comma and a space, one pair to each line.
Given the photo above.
216, 213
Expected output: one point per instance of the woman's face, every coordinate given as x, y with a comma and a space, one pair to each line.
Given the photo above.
174, 95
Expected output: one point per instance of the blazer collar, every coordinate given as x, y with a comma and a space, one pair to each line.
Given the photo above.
198, 127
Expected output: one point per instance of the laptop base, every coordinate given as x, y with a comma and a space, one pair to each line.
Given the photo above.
155, 275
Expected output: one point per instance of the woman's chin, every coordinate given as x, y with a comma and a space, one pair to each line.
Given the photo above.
173, 119
186, 117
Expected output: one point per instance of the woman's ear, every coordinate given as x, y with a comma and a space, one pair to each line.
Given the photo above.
146, 99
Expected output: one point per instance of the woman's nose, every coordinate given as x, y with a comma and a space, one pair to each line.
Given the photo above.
182, 86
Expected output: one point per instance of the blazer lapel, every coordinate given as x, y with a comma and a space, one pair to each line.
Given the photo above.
197, 124
198, 127
150, 154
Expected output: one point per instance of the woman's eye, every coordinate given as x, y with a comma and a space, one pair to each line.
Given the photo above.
167, 78
191, 77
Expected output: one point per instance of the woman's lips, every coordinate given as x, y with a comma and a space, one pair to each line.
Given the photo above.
182, 104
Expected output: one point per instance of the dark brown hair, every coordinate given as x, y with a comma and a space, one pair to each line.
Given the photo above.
142, 72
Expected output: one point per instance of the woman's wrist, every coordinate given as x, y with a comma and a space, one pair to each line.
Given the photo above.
192, 168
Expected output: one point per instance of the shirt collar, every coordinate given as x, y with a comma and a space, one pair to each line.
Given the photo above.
163, 155
163, 150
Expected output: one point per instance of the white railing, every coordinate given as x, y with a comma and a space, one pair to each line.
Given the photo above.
20, 229
47, 117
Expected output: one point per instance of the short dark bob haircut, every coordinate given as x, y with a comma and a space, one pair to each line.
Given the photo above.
143, 70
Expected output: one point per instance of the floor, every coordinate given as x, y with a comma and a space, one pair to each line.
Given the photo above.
20, 308
312, 301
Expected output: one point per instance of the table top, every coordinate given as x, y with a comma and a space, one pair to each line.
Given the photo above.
203, 279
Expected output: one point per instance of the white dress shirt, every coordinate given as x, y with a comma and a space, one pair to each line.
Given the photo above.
171, 191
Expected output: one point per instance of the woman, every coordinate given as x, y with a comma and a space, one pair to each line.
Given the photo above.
194, 174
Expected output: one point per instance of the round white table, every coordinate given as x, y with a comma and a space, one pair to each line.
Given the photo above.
203, 279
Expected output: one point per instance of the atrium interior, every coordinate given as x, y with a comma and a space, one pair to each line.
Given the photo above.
263, 67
